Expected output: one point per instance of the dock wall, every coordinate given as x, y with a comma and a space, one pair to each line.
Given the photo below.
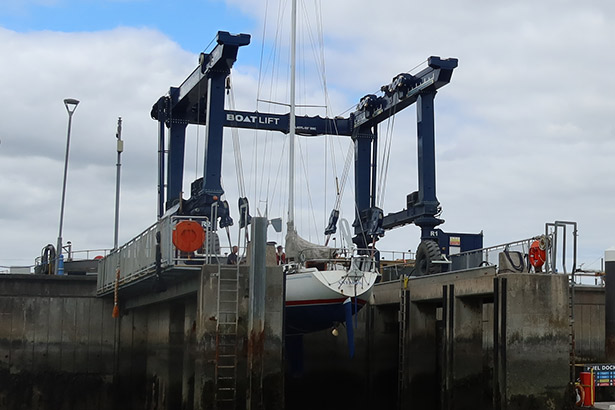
155, 353
57, 344
589, 324
260, 368
61, 349
532, 348
168, 350
472, 339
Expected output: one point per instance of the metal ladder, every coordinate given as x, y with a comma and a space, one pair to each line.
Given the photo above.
571, 335
557, 228
403, 325
226, 337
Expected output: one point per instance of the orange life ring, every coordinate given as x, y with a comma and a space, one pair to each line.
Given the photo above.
537, 255
188, 236
580, 392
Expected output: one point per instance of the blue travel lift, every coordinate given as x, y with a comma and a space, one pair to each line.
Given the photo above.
200, 100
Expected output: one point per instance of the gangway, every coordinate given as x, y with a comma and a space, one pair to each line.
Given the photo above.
152, 258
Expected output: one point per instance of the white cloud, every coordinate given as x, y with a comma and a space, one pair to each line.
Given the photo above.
524, 131
114, 73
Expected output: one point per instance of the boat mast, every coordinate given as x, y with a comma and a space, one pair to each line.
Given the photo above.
291, 134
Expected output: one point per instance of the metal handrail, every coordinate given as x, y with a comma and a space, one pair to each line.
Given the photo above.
102, 252
137, 258
468, 259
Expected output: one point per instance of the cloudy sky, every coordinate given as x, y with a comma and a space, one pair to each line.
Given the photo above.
525, 130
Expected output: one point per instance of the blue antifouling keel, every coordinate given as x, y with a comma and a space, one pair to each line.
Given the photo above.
349, 326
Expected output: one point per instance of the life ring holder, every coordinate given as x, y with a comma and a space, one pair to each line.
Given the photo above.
188, 236
537, 254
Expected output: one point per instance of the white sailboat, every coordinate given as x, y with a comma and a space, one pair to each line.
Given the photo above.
324, 286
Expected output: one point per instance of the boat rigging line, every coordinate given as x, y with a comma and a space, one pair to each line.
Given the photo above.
241, 186
383, 170
270, 62
236, 145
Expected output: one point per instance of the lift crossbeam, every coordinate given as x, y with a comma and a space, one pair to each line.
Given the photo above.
306, 126
403, 91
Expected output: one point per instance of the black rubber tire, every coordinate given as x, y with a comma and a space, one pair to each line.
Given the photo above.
427, 252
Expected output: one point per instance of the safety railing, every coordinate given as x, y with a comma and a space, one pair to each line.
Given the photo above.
79, 255
559, 243
591, 278
396, 264
338, 259
137, 258
490, 256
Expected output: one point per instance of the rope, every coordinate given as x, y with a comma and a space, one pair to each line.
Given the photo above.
345, 173
236, 145
307, 190
384, 167
116, 306
210, 43
228, 235
256, 170
311, 34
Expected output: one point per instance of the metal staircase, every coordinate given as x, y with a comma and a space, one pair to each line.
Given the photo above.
226, 337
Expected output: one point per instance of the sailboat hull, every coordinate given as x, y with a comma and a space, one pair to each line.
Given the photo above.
315, 299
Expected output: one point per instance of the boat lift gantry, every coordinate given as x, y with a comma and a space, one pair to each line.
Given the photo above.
200, 100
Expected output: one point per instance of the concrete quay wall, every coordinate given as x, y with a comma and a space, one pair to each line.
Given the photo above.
61, 349
167, 351
57, 343
589, 324
503, 338
473, 339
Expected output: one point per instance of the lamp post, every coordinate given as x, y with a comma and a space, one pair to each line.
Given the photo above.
120, 148
71, 106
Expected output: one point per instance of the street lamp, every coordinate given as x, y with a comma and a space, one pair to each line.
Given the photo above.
120, 148
71, 106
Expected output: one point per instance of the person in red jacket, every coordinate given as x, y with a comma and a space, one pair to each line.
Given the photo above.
280, 256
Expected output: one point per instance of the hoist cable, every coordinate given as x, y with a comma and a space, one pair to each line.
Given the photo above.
317, 48
236, 145
384, 167
345, 172
260, 154
307, 190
